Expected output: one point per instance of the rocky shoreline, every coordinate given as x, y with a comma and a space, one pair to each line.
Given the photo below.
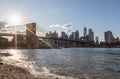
8, 71
13, 72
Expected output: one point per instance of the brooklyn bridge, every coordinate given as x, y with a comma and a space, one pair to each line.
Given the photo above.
32, 40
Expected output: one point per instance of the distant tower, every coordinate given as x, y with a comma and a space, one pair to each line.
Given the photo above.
31, 34
108, 37
63, 34
77, 35
72, 36
91, 35
97, 40
85, 32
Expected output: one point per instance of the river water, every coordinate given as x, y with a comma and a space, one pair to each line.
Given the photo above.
72, 63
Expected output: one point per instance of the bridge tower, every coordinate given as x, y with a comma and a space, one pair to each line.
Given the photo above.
31, 35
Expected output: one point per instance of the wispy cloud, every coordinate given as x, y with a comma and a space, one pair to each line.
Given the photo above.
67, 27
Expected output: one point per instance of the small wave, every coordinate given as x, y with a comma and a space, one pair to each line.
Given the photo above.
18, 59
114, 53
45, 73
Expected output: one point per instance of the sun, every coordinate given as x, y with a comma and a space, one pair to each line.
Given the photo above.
15, 19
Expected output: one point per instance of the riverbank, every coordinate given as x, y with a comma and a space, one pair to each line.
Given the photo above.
8, 71
13, 72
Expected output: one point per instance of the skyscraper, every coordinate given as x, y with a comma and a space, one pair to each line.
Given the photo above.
54, 34
85, 32
63, 34
77, 35
72, 36
108, 37
97, 40
91, 35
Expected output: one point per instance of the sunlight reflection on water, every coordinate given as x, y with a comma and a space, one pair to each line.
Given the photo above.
17, 58
72, 62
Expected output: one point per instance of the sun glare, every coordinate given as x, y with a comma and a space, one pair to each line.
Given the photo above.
15, 19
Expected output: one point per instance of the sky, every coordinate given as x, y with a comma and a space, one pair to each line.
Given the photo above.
50, 15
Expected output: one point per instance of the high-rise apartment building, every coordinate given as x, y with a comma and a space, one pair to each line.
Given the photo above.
108, 37
91, 35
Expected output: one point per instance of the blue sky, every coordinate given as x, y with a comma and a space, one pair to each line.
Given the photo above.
100, 15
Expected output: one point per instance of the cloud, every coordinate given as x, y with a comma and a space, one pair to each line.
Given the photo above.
3, 30
56, 26
66, 27
2, 24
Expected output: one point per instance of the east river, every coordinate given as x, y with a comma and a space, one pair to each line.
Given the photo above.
76, 63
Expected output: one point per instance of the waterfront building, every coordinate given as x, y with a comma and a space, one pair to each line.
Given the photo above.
63, 35
116, 39
77, 35
52, 42
50, 33
91, 35
47, 34
97, 40
72, 36
54, 34
63, 43
108, 37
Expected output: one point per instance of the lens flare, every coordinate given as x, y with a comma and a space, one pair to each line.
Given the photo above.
15, 19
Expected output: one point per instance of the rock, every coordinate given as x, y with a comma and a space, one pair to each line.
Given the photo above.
5, 54
1, 63
56, 78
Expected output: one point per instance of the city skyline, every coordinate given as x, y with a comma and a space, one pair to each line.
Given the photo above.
54, 40
87, 32
59, 39
99, 15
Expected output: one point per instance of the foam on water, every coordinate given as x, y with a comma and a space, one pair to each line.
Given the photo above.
69, 63
18, 59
